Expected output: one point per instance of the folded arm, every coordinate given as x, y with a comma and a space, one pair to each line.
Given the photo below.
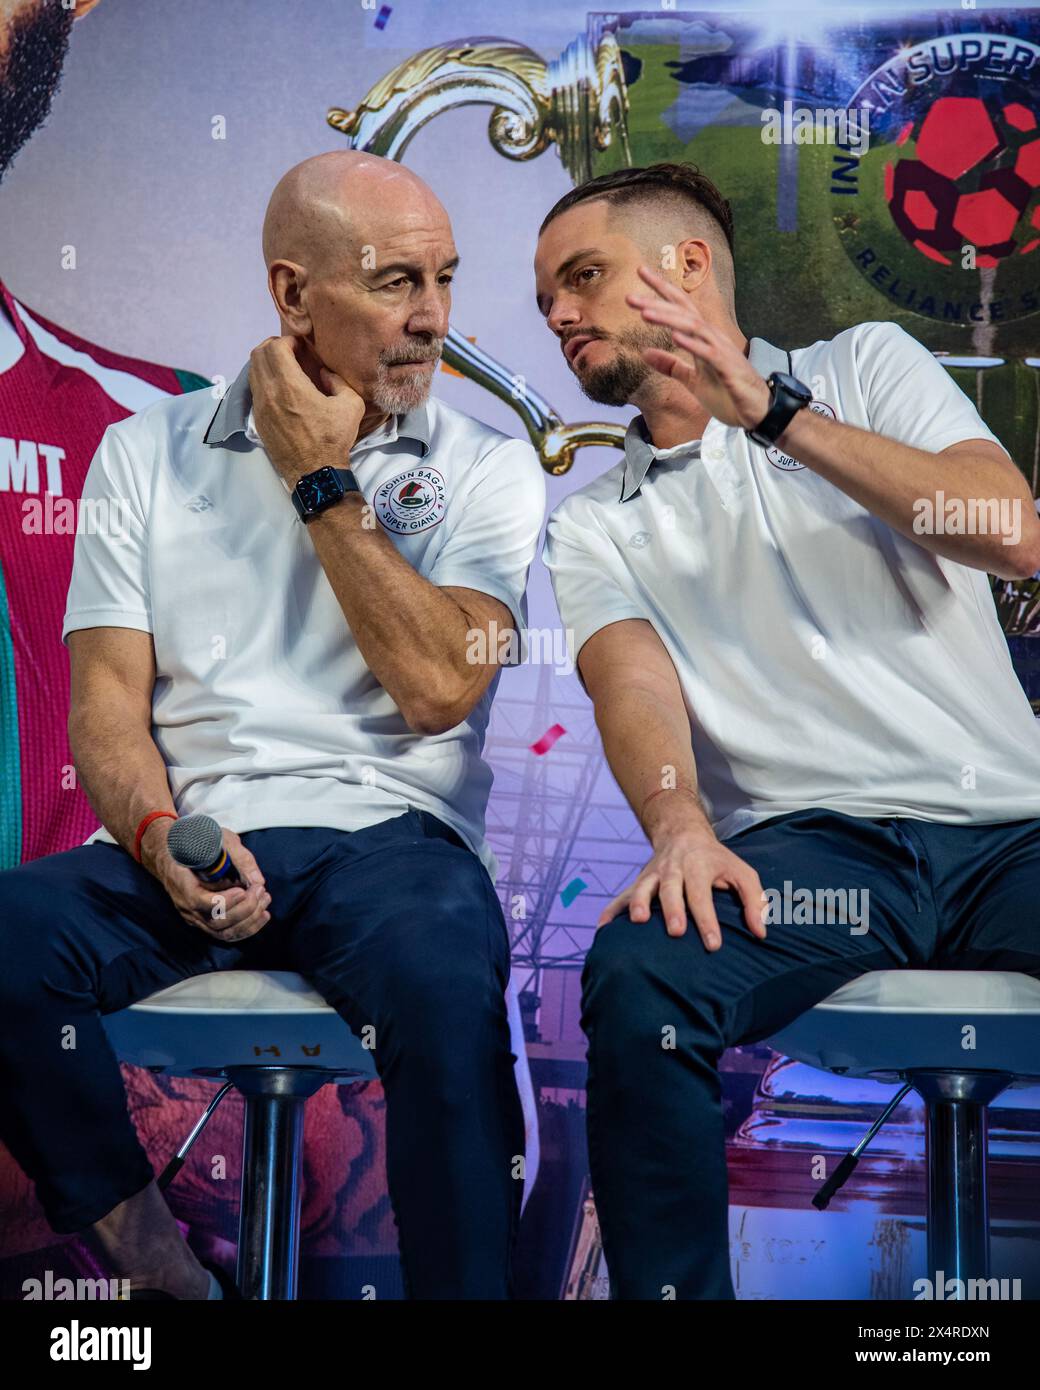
417, 638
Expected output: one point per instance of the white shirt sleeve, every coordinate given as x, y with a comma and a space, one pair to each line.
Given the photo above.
909, 394
590, 582
495, 535
109, 586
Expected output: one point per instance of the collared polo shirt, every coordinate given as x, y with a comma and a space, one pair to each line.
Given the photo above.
264, 709
824, 658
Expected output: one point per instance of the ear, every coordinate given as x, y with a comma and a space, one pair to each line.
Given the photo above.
84, 7
287, 283
695, 258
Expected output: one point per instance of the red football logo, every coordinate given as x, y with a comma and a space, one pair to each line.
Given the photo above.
968, 174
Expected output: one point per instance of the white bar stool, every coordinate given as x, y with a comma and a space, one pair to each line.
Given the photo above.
959, 1038
274, 1038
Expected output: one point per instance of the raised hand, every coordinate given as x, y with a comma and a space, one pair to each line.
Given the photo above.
720, 377
302, 427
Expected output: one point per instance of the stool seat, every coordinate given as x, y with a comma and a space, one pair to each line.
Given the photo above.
888, 1023
233, 1018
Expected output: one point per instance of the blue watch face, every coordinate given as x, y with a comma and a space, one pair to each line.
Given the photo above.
319, 488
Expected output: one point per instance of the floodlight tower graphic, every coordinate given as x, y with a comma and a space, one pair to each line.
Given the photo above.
552, 819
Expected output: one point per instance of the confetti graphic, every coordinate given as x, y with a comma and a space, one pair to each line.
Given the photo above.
383, 15
548, 739
576, 886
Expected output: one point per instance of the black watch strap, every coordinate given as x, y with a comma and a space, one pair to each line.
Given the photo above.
789, 396
347, 481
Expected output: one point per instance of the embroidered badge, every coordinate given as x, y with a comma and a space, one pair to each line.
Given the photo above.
412, 501
779, 459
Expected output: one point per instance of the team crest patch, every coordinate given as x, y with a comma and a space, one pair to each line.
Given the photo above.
411, 501
779, 459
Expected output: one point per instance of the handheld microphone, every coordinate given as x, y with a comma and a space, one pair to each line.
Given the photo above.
198, 844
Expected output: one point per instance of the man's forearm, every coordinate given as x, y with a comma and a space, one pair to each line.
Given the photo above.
121, 770
646, 740
891, 480
419, 659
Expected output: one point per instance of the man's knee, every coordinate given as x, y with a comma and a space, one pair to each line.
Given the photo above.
617, 983
640, 985
448, 1030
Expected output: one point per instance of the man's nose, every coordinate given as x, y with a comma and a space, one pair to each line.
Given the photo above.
563, 314
430, 316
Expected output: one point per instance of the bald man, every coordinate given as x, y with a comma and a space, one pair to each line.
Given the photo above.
294, 627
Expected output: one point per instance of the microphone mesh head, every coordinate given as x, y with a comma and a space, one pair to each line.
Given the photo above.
195, 841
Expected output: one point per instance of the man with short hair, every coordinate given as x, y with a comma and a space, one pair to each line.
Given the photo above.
796, 682
280, 635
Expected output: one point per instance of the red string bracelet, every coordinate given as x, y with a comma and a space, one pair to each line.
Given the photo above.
152, 815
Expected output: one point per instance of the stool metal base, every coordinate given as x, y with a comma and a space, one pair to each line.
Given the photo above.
955, 1139
272, 1167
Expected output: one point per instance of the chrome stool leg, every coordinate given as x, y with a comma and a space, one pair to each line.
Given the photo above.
272, 1164
955, 1154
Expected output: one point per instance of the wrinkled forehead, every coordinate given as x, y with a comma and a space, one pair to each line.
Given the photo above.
400, 220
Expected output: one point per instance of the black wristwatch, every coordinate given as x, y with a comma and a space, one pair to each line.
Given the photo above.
789, 397
316, 492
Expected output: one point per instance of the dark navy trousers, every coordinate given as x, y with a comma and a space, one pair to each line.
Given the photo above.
397, 925
658, 1011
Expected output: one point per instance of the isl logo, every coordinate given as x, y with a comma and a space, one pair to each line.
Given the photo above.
942, 214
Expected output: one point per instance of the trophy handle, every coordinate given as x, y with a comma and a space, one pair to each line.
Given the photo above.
555, 441
577, 102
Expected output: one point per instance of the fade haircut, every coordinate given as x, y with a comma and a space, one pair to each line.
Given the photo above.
681, 189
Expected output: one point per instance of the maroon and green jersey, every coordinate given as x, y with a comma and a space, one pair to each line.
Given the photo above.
58, 394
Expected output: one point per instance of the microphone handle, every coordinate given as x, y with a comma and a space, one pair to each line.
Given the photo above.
223, 882
223, 874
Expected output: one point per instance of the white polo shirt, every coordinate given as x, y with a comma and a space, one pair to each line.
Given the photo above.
264, 709
825, 659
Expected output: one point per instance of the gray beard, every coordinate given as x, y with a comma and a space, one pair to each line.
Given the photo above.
616, 382
400, 396
402, 392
